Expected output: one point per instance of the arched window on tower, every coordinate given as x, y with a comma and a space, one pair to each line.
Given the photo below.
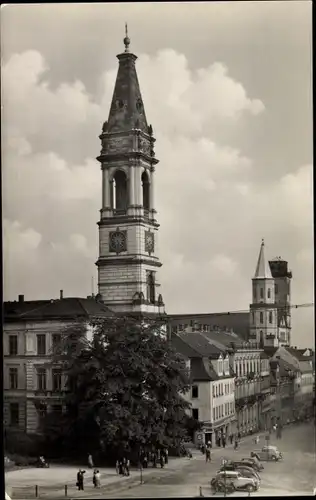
253, 317
270, 317
151, 287
269, 293
119, 196
261, 317
145, 190
261, 339
261, 293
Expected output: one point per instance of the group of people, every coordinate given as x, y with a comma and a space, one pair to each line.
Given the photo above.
96, 479
155, 457
123, 466
220, 440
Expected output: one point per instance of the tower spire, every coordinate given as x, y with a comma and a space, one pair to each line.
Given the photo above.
126, 40
263, 268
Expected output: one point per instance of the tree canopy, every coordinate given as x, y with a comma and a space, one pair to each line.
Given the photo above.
126, 386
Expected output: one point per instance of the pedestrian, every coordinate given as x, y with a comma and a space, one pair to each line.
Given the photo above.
231, 438
208, 455
166, 455
203, 448
80, 477
121, 469
145, 461
90, 461
117, 467
239, 435
161, 460
126, 467
224, 442
236, 444
96, 478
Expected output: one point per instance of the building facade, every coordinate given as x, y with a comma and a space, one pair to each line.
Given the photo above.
31, 387
247, 370
128, 260
212, 391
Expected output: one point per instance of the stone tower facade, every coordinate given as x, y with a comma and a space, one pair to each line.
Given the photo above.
282, 291
263, 310
128, 260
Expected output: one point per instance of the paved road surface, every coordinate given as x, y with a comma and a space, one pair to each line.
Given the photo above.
295, 475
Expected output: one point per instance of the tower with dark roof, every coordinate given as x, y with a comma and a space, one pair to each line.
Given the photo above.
128, 255
263, 312
282, 288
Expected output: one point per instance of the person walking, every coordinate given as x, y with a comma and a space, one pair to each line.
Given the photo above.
166, 455
90, 461
236, 444
96, 478
80, 477
231, 438
126, 466
208, 454
224, 441
161, 460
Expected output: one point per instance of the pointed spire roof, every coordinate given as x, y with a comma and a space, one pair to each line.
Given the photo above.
127, 110
263, 268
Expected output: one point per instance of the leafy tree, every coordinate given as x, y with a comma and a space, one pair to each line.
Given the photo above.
126, 387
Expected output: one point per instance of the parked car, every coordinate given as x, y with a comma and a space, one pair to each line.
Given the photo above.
243, 469
253, 462
267, 453
235, 478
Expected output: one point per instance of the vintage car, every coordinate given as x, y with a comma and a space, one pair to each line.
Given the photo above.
236, 479
253, 462
242, 468
267, 453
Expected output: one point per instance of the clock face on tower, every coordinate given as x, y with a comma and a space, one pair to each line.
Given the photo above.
118, 241
149, 242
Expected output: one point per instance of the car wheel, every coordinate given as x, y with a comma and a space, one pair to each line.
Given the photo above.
274, 458
250, 488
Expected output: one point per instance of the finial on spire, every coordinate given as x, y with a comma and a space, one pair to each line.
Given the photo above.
126, 39
262, 241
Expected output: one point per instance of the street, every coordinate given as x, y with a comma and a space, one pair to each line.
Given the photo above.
294, 475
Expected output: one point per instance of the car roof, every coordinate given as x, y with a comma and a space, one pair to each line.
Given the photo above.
269, 447
233, 472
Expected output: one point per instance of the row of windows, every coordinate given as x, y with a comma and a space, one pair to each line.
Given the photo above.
14, 412
41, 344
218, 389
41, 379
244, 366
223, 410
261, 293
218, 412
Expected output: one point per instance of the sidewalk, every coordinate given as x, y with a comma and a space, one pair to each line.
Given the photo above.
50, 482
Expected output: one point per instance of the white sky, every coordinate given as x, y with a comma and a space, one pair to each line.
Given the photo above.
227, 88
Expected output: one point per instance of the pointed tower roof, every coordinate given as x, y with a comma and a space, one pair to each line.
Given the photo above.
263, 268
127, 110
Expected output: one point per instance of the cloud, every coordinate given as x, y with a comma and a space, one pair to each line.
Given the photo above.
212, 213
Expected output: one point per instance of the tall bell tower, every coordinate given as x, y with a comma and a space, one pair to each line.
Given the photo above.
263, 310
128, 260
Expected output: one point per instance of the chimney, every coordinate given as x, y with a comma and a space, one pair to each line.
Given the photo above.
61, 294
21, 298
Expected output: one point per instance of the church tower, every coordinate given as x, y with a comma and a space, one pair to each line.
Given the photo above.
128, 261
263, 311
282, 291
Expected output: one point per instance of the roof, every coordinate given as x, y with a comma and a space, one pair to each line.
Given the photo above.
264, 355
297, 353
222, 340
200, 344
238, 322
127, 111
65, 308
270, 351
285, 367
202, 371
263, 269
